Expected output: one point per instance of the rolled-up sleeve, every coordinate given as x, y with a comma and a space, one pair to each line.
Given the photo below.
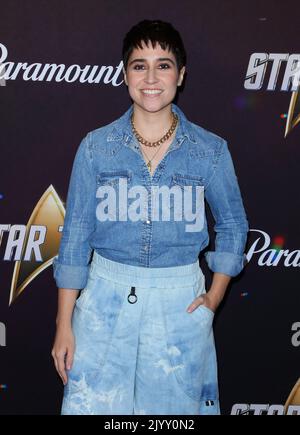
231, 225
71, 265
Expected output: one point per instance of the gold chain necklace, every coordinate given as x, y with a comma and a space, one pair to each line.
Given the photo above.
160, 141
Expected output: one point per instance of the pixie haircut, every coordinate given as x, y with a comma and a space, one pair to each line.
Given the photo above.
156, 32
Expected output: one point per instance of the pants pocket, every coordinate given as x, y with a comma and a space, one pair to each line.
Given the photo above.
84, 294
94, 321
190, 345
199, 289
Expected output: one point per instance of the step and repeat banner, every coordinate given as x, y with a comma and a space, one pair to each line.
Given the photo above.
61, 77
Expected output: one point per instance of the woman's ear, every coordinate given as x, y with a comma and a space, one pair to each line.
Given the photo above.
181, 76
125, 76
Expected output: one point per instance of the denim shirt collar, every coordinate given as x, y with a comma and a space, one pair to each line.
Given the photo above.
121, 130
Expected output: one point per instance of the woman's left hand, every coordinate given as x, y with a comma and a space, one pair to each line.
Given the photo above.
204, 299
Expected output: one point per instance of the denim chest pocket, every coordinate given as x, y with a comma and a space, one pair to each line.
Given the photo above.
186, 180
113, 178
187, 198
112, 191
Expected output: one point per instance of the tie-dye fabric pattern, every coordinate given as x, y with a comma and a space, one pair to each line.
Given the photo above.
150, 357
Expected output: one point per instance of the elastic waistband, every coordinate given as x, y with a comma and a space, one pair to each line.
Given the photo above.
159, 277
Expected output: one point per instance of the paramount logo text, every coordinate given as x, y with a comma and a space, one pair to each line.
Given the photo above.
57, 72
270, 256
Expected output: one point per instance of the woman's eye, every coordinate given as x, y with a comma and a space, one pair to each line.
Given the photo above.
138, 67
164, 66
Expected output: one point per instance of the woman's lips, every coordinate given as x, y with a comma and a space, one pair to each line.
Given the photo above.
151, 92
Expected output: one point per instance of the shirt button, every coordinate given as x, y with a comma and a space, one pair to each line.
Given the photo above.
148, 222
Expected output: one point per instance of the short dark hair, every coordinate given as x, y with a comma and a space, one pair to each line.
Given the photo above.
156, 32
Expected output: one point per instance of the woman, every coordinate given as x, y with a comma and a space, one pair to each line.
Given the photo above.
139, 338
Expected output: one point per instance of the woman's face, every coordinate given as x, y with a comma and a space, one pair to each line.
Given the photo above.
152, 77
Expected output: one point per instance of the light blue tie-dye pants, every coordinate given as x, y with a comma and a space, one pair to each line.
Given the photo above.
149, 357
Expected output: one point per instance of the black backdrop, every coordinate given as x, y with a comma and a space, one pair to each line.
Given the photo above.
42, 123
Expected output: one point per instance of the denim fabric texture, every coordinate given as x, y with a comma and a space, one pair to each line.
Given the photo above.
196, 158
151, 357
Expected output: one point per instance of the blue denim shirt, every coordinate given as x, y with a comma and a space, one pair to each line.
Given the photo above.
196, 158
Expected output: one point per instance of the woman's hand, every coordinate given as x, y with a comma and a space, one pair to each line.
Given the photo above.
63, 351
204, 299
214, 296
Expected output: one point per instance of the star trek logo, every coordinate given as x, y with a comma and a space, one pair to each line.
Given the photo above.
33, 246
277, 64
291, 406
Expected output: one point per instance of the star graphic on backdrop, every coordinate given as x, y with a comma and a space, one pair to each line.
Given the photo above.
50, 212
293, 117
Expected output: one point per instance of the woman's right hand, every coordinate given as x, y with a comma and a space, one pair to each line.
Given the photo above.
63, 351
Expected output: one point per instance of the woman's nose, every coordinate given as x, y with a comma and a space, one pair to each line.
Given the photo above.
151, 76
